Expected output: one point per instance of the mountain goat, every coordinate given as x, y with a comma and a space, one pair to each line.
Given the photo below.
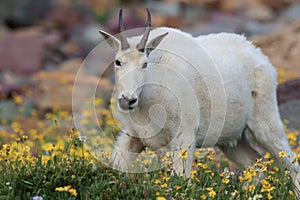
192, 92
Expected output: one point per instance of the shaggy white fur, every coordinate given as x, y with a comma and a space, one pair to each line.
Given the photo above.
198, 92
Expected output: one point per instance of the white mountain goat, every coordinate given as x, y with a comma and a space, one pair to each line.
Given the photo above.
178, 90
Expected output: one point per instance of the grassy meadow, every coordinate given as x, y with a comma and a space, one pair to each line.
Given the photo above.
49, 160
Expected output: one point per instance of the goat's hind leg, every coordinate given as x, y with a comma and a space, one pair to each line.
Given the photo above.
270, 134
243, 154
267, 127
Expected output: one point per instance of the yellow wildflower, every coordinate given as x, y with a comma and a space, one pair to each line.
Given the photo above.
110, 122
203, 196
17, 99
98, 101
67, 188
105, 112
45, 159
193, 173
252, 188
266, 186
286, 121
296, 158
225, 180
269, 196
204, 166
292, 137
211, 192
267, 155
157, 181
87, 113
183, 154
160, 198
25, 137
223, 174
269, 162
282, 154
63, 189
197, 154
73, 192
249, 173
291, 193
241, 179
177, 187
165, 177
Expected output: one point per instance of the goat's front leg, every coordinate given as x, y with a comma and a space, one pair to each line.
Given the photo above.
126, 149
183, 148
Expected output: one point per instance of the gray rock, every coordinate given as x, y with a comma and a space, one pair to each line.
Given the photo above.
22, 13
17, 57
292, 13
86, 37
253, 28
164, 7
3, 30
216, 24
288, 91
67, 90
8, 110
291, 111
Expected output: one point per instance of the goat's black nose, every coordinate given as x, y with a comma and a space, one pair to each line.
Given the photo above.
132, 101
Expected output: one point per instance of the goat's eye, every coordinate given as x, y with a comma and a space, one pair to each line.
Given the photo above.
118, 63
144, 66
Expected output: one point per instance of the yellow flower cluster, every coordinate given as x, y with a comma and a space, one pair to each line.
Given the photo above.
67, 188
49, 139
211, 192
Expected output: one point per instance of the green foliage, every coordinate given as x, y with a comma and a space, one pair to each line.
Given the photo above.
54, 163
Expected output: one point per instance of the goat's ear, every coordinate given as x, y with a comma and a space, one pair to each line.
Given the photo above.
111, 40
155, 42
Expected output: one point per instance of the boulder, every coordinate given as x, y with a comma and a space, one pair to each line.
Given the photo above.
86, 37
23, 51
8, 110
16, 56
291, 13
55, 89
288, 91
71, 65
13, 83
3, 30
289, 103
255, 9
18, 13
291, 112
283, 50
65, 18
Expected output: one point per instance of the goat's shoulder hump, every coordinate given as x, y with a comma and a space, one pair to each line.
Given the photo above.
172, 31
224, 39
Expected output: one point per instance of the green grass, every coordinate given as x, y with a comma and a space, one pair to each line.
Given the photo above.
51, 162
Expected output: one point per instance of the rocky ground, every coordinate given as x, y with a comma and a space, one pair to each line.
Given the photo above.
42, 45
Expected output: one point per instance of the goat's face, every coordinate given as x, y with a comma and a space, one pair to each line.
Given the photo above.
130, 69
131, 65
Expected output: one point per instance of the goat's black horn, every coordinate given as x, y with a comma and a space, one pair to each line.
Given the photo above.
142, 44
124, 42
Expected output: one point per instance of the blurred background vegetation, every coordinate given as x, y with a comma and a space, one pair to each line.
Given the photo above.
44, 43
